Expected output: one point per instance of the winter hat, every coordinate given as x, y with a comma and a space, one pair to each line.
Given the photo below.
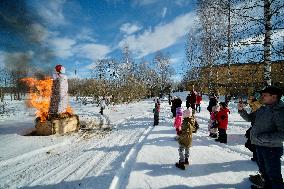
187, 113
223, 104
272, 90
178, 102
60, 69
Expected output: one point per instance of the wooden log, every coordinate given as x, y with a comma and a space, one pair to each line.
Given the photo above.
58, 126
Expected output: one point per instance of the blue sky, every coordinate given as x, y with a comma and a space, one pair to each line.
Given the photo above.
79, 32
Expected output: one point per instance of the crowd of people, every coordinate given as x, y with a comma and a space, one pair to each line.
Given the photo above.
264, 138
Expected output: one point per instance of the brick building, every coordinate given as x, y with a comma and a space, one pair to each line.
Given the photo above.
243, 79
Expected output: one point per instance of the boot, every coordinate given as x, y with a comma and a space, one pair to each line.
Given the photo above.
180, 165
217, 139
214, 136
186, 161
257, 180
254, 187
223, 140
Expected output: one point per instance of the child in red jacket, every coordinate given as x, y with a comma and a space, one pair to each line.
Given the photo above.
198, 102
222, 121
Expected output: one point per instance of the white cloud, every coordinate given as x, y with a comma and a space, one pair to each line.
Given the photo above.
176, 60
161, 37
92, 51
38, 33
62, 47
52, 12
86, 35
164, 12
130, 28
182, 2
144, 2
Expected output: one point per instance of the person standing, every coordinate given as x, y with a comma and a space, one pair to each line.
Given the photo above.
102, 105
170, 99
173, 106
193, 99
198, 102
212, 124
212, 102
222, 122
185, 138
267, 134
156, 112
187, 103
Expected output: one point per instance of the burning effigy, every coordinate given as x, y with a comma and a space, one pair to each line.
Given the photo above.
50, 98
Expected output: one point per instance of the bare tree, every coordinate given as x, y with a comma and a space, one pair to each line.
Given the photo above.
265, 21
164, 69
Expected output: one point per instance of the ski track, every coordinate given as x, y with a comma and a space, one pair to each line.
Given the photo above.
72, 162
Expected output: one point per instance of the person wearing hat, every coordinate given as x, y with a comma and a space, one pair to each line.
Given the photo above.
212, 102
267, 134
59, 94
222, 122
185, 138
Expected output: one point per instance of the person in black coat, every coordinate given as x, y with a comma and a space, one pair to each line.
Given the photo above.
188, 101
176, 102
212, 102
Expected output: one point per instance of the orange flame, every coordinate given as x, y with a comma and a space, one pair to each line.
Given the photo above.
39, 96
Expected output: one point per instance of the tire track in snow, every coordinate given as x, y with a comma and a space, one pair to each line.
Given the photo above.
46, 161
65, 168
73, 167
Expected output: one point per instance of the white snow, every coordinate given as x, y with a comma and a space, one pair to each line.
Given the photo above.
133, 155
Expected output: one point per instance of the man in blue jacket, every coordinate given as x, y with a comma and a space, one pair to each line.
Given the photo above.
267, 134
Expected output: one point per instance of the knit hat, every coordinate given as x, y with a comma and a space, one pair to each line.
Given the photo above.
223, 104
187, 113
272, 90
60, 69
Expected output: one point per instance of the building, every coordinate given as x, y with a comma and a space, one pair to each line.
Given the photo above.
239, 78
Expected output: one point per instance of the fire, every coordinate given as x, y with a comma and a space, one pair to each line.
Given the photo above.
39, 96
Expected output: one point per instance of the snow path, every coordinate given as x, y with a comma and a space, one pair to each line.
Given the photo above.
213, 165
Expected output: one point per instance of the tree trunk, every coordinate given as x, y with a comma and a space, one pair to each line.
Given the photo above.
229, 38
267, 42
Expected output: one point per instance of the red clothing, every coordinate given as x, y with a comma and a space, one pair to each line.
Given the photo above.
198, 99
222, 118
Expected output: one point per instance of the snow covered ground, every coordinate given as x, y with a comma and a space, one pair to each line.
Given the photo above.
133, 155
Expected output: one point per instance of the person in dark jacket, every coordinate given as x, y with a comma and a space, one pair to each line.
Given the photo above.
192, 99
173, 106
254, 105
187, 103
267, 134
170, 99
176, 102
156, 112
212, 102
